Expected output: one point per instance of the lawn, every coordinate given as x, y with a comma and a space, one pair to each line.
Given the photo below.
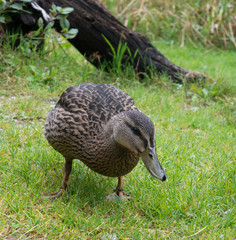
195, 137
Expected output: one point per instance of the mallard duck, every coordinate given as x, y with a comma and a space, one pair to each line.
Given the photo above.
100, 125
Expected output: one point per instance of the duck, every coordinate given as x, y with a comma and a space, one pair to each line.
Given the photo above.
100, 125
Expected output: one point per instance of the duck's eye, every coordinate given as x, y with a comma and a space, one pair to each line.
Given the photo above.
136, 130
150, 155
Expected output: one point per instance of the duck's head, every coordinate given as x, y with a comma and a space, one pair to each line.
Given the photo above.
135, 131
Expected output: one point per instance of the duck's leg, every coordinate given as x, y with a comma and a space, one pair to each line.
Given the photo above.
119, 191
67, 171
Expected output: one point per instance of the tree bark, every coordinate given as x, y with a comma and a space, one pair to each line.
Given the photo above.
95, 22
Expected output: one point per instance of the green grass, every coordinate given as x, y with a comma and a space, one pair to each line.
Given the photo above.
195, 135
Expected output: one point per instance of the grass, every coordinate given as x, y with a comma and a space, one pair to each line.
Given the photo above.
195, 135
207, 23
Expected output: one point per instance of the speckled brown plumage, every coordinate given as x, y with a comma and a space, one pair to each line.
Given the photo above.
83, 125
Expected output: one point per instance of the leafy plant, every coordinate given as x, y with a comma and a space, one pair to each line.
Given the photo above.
9, 7
121, 56
35, 38
61, 14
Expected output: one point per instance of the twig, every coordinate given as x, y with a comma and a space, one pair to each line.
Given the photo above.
126, 8
196, 233
95, 229
28, 231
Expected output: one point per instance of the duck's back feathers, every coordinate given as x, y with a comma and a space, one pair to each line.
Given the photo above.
99, 101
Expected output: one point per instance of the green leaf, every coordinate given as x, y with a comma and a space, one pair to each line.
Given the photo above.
66, 10
59, 16
58, 8
64, 23
71, 33
26, 1
54, 8
2, 19
49, 26
64, 31
40, 23
195, 89
214, 92
16, 6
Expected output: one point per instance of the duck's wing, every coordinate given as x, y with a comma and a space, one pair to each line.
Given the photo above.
96, 102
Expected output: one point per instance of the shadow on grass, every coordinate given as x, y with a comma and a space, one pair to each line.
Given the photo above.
87, 186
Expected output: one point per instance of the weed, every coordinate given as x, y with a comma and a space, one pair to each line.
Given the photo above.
122, 60
32, 41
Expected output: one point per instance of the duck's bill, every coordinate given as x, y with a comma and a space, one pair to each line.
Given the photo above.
152, 163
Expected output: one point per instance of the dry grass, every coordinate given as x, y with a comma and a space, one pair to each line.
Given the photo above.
211, 23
